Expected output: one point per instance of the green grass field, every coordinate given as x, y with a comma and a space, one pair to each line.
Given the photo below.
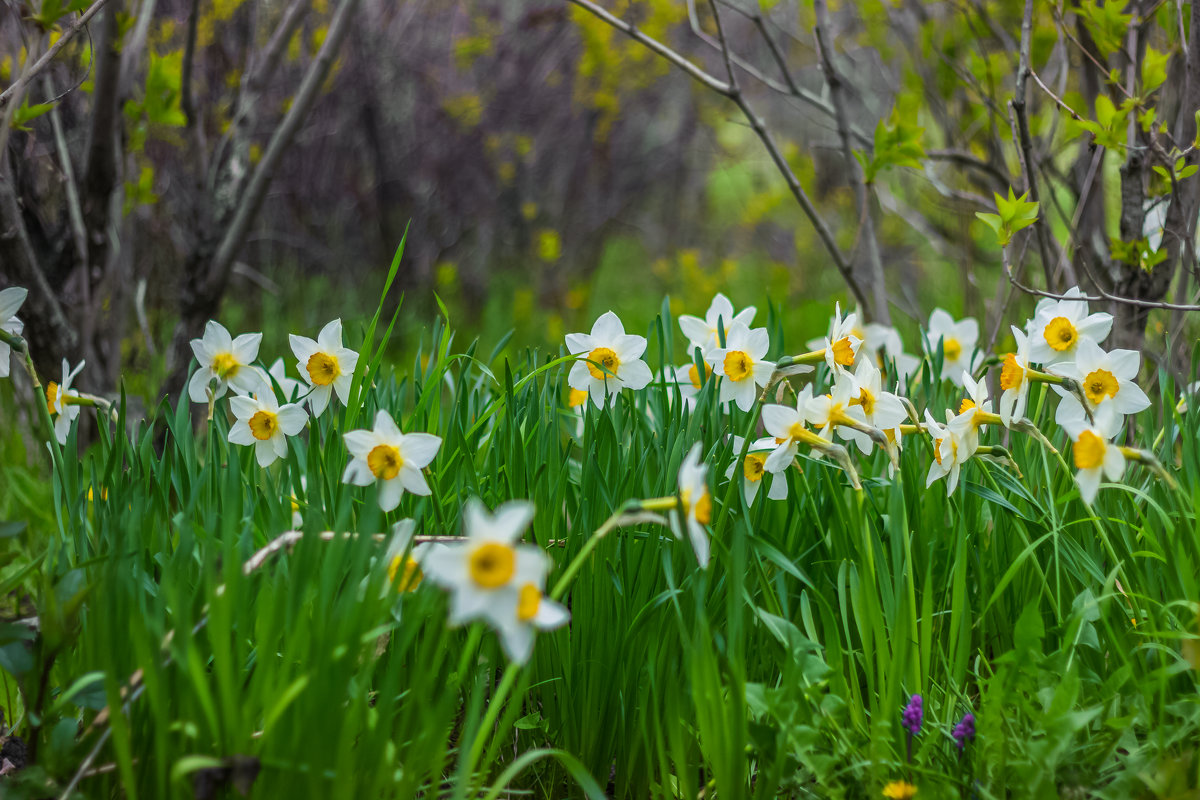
181, 648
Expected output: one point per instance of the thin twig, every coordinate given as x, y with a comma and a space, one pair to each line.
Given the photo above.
67, 35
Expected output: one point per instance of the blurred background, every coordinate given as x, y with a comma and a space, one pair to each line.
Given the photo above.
259, 161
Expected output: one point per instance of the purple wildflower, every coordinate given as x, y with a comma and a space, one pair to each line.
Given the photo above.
964, 731
913, 714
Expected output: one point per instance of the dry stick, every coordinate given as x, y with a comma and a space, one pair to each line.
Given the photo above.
19, 87
735, 94
833, 80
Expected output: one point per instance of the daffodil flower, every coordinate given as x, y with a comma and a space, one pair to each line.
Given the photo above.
59, 401
880, 409
1105, 377
958, 341
226, 362
829, 411
390, 459
10, 303
290, 387
324, 365
1091, 444
696, 509
262, 422
1058, 327
610, 359
953, 444
740, 363
787, 428
1015, 380
494, 578
977, 403
754, 469
704, 333
844, 341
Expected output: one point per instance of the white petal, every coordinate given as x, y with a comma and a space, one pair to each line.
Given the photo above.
1089, 483
390, 492
358, 473
266, 452
579, 343
630, 347
318, 399
239, 433
511, 519
245, 347
385, 426
198, 385
330, 337
699, 538
303, 348
607, 330
359, 443
292, 418
11, 300
411, 479
419, 449
634, 374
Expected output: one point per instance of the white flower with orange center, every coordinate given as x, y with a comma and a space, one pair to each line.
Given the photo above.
696, 504
843, 342
754, 469
1058, 326
1106, 378
59, 401
704, 333
957, 341
1092, 449
225, 362
836, 409
787, 428
741, 364
390, 459
10, 303
325, 365
880, 409
1015, 380
494, 578
977, 403
262, 422
609, 359
953, 444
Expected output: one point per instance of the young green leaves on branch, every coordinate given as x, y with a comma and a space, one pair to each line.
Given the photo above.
1014, 213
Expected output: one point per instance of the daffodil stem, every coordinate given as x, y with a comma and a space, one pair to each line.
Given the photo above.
812, 357
747, 439
607, 527
1151, 462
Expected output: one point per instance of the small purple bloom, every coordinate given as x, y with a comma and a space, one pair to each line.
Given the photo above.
913, 714
964, 731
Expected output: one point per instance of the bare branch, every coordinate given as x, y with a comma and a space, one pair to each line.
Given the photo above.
18, 88
1025, 149
733, 93
879, 306
282, 138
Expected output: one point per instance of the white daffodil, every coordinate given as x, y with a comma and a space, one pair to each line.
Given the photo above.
977, 400
1058, 326
290, 387
391, 459
10, 303
880, 409
494, 578
958, 341
690, 381
703, 333
696, 511
324, 365
226, 362
953, 444
610, 359
58, 401
827, 411
754, 469
1091, 444
262, 422
1106, 377
787, 427
843, 342
741, 364
1014, 380
404, 563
